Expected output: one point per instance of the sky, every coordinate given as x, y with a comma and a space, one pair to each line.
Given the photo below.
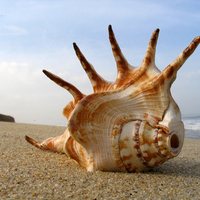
37, 35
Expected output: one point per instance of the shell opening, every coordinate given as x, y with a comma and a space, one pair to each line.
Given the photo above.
174, 141
175, 144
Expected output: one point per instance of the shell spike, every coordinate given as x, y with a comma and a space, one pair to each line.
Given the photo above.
149, 59
34, 143
96, 80
123, 66
170, 71
72, 89
53, 144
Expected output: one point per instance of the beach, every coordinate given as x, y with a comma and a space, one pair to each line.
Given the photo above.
30, 173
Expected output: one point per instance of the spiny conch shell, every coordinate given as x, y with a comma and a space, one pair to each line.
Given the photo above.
129, 125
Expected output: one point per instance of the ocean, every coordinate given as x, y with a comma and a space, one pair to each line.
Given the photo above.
192, 126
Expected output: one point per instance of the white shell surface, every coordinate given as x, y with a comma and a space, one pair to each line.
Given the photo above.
129, 125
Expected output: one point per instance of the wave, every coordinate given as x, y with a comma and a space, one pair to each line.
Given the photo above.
192, 122
191, 117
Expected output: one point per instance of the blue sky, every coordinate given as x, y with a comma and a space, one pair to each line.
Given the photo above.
36, 35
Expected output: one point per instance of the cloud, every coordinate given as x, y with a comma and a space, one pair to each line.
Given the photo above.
13, 30
20, 90
13, 71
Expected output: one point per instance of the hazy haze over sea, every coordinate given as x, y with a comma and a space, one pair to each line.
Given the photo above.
192, 126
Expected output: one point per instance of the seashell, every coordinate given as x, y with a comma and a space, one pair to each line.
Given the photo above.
129, 125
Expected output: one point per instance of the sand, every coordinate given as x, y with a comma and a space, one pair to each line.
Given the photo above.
30, 173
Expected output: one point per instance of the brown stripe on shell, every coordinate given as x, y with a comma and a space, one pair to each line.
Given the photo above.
53, 144
36, 143
72, 89
124, 158
75, 151
163, 143
124, 69
149, 58
122, 64
155, 142
128, 145
98, 83
137, 145
170, 71
147, 145
149, 156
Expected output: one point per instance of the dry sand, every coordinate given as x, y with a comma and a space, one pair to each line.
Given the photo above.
30, 173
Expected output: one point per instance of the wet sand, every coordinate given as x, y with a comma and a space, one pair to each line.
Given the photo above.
30, 173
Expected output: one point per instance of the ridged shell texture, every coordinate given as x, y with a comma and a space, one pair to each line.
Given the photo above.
129, 125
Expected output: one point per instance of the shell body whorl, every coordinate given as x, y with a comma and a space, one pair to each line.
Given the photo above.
129, 125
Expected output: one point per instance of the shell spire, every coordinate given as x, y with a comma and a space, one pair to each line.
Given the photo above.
130, 125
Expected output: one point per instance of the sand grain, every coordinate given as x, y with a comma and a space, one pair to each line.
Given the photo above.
30, 173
